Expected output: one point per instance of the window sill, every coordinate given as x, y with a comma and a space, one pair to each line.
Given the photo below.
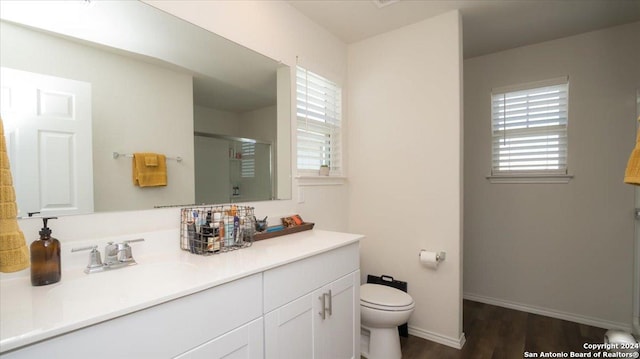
321, 180
531, 178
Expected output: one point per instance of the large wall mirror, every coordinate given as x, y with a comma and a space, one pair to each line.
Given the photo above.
87, 84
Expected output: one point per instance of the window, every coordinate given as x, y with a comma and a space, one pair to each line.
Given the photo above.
248, 161
529, 129
319, 112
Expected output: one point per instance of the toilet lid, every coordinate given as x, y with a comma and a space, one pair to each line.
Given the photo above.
377, 295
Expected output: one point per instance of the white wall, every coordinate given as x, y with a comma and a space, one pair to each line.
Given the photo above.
131, 99
211, 120
564, 250
260, 124
405, 165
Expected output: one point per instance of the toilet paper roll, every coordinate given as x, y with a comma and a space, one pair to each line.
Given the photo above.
429, 259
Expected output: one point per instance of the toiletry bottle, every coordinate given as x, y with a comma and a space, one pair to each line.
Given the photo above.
192, 234
216, 231
223, 239
207, 233
228, 232
236, 229
45, 258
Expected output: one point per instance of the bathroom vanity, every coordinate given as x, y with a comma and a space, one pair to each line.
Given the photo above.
296, 296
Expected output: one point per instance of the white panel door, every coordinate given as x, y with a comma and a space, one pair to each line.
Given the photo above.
289, 330
48, 130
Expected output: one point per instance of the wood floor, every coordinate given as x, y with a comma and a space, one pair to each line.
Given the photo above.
497, 333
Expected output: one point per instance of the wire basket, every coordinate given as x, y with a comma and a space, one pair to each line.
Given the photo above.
207, 230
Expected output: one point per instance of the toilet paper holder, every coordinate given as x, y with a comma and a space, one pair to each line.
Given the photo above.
440, 256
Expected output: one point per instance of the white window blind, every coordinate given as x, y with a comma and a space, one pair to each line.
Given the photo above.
248, 161
319, 112
529, 127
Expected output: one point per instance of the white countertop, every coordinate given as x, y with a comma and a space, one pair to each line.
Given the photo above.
164, 272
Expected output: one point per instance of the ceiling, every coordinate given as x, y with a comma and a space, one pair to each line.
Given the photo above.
488, 25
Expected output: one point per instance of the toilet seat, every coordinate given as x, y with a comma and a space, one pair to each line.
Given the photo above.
381, 297
386, 308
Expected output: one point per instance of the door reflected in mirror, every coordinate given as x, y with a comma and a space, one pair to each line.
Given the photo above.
47, 122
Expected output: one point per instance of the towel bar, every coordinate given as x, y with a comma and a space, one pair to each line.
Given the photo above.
129, 155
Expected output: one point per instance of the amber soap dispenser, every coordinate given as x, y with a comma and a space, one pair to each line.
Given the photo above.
45, 257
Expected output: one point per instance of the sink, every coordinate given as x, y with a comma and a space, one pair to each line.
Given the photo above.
138, 283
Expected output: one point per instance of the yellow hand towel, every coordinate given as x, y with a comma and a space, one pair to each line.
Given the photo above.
151, 161
632, 174
152, 174
14, 254
5, 177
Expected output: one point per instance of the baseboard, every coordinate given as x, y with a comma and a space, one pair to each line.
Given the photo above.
572, 317
456, 343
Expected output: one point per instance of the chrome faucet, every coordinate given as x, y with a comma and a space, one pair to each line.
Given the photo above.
110, 253
116, 255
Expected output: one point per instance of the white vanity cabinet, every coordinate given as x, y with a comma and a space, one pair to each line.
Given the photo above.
313, 307
295, 297
163, 331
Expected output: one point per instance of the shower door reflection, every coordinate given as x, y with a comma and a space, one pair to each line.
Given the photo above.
230, 169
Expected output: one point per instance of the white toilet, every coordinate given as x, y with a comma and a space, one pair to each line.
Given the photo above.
382, 310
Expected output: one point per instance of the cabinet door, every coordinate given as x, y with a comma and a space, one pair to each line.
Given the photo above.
289, 330
299, 329
338, 335
245, 342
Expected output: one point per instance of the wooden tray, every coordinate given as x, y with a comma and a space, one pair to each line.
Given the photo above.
288, 230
